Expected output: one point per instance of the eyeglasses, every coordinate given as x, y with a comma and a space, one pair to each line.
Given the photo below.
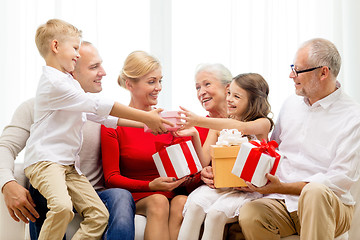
297, 72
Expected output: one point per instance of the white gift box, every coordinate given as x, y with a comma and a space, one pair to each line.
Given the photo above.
177, 160
253, 162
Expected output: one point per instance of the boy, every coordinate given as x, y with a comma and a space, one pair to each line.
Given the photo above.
51, 159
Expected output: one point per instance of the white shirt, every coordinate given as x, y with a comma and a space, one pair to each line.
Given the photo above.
320, 143
60, 103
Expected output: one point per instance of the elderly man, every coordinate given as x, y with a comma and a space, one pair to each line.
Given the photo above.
88, 72
318, 133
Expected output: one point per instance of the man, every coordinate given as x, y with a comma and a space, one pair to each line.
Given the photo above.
319, 135
89, 73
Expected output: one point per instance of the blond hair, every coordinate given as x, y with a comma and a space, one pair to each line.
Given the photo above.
54, 29
136, 65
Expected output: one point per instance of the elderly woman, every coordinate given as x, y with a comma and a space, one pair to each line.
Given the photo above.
211, 82
127, 153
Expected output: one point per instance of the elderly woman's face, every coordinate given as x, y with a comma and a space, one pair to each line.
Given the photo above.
210, 92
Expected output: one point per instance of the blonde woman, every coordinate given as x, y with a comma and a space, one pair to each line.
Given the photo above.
127, 153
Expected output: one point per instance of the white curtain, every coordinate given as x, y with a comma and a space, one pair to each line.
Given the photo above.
245, 35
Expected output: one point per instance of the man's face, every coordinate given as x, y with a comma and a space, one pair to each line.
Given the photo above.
307, 83
89, 70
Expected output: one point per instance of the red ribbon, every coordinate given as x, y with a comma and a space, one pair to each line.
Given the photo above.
254, 157
165, 159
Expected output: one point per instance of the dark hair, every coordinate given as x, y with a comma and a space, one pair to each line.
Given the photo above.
258, 90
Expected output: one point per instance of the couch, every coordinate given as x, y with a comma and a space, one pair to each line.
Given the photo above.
11, 230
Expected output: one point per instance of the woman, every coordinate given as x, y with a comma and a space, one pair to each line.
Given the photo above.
211, 82
127, 153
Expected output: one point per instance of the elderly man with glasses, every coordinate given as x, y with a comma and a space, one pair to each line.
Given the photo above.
318, 133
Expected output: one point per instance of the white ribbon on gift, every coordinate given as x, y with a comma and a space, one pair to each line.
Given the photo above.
230, 137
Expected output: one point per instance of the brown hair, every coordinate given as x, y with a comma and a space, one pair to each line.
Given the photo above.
136, 65
54, 29
258, 90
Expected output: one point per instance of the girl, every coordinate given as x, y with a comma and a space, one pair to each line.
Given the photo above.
248, 110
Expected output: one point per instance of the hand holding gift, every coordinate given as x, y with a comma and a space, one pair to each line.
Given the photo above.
255, 160
173, 117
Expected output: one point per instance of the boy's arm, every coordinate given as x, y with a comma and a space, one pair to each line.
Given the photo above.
152, 119
129, 123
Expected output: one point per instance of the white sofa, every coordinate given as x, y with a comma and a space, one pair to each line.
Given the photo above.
11, 230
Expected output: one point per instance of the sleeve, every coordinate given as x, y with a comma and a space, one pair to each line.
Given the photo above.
109, 122
111, 164
68, 95
13, 140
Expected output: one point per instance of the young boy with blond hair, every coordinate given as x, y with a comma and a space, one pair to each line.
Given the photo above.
61, 108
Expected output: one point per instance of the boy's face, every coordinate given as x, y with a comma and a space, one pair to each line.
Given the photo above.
68, 54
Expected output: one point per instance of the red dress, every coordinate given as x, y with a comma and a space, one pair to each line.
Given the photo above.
127, 159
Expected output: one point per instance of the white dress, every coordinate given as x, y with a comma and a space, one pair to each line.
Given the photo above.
227, 200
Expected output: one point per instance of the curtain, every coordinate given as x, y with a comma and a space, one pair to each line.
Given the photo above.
245, 35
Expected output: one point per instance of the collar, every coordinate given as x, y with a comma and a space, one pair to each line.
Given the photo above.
57, 72
328, 100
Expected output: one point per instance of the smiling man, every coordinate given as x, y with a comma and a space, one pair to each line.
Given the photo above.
318, 134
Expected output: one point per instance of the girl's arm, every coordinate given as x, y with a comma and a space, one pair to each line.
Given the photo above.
259, 127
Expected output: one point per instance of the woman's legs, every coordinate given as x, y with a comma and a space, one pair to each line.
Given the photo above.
193, 219
214, 225
156, 210
176, 218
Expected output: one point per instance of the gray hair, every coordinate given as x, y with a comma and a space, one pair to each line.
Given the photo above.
323, 53
220, 71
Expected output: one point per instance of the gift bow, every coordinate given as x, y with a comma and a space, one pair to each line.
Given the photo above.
261, 147
267, 147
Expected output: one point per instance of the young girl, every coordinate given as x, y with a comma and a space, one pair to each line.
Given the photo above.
248, 110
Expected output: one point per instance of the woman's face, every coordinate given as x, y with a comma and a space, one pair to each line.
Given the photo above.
145, 91
237, 101
210, 91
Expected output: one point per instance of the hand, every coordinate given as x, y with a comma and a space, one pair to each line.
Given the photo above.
191, 119
273, 186
207, 176
156, 123
165, 184
185, 132
19, 202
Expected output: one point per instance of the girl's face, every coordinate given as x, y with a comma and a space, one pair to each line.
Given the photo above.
144, 93
237, 100
210, 91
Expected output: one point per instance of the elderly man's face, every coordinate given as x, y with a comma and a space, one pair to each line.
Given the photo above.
89, 70
307, 83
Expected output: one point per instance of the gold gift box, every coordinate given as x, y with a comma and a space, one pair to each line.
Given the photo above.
223, 159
